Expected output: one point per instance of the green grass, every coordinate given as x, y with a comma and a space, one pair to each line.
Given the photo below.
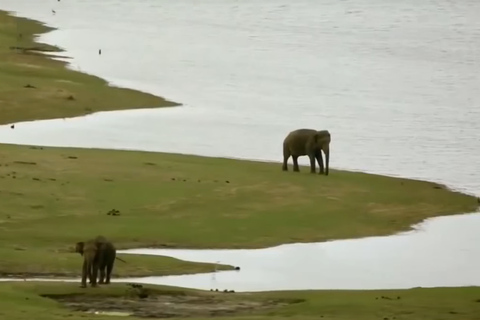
23, 301
54, 197
54, 83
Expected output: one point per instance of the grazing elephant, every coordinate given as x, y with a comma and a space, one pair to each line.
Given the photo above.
104, 255
308, 142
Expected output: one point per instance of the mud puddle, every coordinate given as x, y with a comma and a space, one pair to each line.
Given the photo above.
169, 306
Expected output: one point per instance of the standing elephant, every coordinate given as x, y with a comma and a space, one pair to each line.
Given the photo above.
98, 254
307, 142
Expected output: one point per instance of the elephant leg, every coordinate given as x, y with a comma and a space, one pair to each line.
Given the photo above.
94, 275
285, 163
319, 157
109, 271
295, 164
101, 264
84, 275
102, 275
312, 163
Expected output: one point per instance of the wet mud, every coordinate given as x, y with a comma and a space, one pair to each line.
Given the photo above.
170, 305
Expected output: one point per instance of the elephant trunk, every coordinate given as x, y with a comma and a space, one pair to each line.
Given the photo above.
327, 160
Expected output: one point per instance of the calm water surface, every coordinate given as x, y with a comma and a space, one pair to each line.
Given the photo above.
396, 83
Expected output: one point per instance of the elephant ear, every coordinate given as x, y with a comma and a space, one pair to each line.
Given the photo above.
323, 136
79, 247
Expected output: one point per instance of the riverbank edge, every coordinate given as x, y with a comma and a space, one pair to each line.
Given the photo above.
5, 276
122, 248
47, 52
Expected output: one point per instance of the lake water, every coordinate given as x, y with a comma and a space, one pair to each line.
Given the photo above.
396, 83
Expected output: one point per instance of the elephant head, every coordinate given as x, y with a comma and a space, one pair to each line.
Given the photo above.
89, 251
322, 140
79, 247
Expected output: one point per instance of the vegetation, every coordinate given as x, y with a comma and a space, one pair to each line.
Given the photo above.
24, 301
54, 197
55, 92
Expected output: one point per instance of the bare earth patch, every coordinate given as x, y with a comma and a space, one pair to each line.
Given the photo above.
168, 305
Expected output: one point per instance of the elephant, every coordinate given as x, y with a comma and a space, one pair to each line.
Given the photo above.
308, 142
99, 255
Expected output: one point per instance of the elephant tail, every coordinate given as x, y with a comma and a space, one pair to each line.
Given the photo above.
120, 259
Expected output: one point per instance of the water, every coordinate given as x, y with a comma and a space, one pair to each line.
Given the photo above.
424, 258
395, 83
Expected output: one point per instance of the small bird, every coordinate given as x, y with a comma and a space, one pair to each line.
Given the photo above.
12, 126
53, 11
100, 51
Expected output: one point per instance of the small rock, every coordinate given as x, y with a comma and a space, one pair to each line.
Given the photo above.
29, 86
113, 212
227, 181
70, 97
237, 268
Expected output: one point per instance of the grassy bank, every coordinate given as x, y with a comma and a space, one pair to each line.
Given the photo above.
24, 301
54, 197
57, 92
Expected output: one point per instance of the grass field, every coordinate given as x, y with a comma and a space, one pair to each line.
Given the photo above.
53, 83
24, 301
54, 197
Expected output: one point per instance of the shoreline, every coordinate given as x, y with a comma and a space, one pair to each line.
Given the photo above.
42, 57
